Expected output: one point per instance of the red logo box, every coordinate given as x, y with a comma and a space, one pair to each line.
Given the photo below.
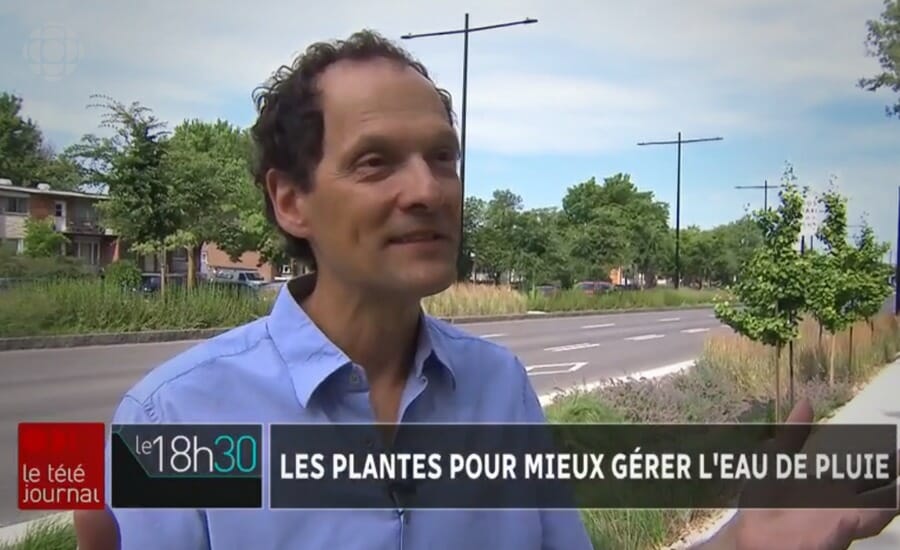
61, 466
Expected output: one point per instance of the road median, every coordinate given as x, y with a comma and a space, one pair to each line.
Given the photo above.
177, 335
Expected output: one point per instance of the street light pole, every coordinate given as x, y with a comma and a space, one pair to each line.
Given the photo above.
465, 31
897, 265
765, 187
678, 142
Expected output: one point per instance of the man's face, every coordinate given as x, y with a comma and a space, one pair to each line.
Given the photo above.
384, 210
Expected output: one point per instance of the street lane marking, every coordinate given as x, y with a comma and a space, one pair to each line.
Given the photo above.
554, 368
657, 372
669, 320
572, 347
602, 325
694, 330
494, 335
645, 337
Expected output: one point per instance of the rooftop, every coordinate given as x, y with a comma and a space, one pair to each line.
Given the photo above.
44, 189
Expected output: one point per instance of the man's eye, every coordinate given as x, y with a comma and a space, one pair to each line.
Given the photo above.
372, 161
446, 155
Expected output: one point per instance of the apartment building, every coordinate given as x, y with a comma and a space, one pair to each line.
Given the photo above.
213, 259
73, 213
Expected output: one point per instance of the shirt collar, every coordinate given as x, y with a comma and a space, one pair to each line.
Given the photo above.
312, 358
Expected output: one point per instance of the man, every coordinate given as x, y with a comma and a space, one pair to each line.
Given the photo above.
358, 163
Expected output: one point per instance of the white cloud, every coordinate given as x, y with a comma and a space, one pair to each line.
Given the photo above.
590, 78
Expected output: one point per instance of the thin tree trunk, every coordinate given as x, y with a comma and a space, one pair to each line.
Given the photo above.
850, 361
831, 360
778, 383
163, 271
791, 372
192, 268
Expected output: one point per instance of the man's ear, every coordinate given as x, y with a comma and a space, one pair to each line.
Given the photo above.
289, 203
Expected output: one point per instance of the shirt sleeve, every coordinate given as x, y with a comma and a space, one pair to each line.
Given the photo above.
143, 528
562, 529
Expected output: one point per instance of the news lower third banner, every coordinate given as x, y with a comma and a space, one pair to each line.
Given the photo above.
581, 466
495, 466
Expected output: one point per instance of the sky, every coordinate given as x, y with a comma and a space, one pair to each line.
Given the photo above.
549, 104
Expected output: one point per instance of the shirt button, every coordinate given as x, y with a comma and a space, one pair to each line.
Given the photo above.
354, 379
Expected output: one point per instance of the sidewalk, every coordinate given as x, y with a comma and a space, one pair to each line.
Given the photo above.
877, 403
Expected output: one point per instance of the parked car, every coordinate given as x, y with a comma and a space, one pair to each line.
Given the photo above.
594, 287
547, 290
238, 277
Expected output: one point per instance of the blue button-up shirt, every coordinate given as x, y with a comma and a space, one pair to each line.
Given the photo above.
283, 369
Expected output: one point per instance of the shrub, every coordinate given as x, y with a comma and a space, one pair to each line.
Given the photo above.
123, 274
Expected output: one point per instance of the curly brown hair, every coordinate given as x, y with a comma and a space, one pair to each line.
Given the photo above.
289, 129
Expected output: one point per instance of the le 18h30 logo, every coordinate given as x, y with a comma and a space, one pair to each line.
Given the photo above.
61, 466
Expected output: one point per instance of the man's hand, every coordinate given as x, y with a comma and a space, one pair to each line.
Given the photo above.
788, 529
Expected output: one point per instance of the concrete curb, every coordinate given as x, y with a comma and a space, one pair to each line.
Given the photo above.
156, 336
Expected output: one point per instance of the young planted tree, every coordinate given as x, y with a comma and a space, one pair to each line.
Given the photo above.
832, 295
141, 206
770, 288
874, 285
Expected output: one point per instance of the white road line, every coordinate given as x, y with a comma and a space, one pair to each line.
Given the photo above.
572, 347
554, 368
602, 325
645, 337
694, 330
658, 372
669, 320
493, 335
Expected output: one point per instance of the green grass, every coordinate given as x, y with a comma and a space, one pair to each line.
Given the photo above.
574, 300
731, 383
82, 306
89, 306
47, 534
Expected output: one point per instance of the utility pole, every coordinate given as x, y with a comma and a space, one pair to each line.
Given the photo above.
897, 265
465, 31
765, 187
678, 142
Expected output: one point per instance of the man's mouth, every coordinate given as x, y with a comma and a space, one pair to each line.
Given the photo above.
418, 237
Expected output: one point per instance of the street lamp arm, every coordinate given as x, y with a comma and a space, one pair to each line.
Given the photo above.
470, 30
683, 141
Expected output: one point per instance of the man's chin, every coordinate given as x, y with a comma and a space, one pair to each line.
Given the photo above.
427, 282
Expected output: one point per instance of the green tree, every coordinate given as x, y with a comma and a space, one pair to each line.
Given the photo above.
831, 293
25, 158
143, 206
207, 165
42, 240
473, 222
21, 142
883, 43
770, 288
596, 222
874, 283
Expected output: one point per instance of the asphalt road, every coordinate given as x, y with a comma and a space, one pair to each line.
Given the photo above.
85, 384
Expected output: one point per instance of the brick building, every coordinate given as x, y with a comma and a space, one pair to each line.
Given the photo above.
74, 214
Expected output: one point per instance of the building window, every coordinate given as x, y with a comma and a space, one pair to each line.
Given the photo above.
16, 246
286, 269
88, 251
59, 209
14, 205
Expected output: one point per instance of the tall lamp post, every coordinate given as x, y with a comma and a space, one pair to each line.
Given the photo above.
678, 142
897, 265
465, 31
765, 187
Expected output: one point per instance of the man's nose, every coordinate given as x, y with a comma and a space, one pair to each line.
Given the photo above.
420, 188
